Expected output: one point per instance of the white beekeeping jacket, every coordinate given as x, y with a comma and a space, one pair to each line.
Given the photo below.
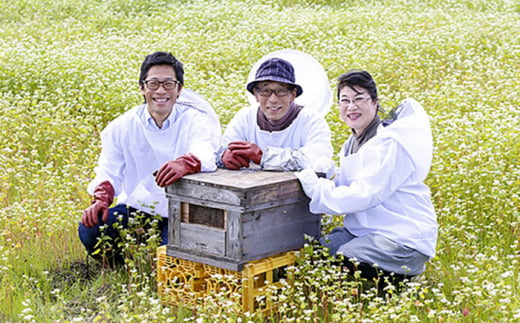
381, 189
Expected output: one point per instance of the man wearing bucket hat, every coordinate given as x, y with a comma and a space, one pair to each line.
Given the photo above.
277, 134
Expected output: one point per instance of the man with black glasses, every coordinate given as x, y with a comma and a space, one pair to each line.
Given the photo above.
144, 150
276, 134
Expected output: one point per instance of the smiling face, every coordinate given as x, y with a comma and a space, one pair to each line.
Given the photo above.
273, 106
160, 102
356, 107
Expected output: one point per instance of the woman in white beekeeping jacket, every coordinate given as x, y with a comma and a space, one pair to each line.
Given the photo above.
390, 226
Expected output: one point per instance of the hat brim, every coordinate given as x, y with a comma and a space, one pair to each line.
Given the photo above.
310, 75
251, 85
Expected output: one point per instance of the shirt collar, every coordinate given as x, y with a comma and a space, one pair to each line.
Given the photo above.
150, 124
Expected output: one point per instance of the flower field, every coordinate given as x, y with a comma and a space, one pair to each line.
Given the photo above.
68, 67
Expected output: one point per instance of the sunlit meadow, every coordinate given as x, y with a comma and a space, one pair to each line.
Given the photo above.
67, 67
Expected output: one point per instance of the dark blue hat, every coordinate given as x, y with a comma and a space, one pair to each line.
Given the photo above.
275, 70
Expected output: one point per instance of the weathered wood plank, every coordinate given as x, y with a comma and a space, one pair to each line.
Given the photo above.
203, 238
284, 227
234, 235
174, 222
242, 180
208, 259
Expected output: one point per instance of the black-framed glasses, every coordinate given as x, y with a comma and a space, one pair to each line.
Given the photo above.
344, 102
279, 92
155, 84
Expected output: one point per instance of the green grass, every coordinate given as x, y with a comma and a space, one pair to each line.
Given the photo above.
68, 67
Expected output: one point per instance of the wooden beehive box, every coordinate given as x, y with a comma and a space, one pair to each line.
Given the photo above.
228, 218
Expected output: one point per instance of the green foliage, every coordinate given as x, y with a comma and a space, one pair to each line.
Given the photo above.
68, 67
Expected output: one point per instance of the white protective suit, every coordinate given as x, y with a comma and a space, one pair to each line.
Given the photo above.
133, 148
381, 189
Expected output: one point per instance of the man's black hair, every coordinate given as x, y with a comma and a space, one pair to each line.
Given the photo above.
161, 58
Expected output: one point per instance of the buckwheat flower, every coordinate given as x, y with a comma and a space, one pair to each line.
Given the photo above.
505, 300
465, 279
308, 313
101, 298
165, 311
507, 274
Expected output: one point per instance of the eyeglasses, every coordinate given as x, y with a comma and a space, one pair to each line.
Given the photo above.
280, 92
168, 84
357, 101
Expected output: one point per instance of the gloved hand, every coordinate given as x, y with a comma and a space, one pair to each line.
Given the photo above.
309, 180
234, 161
102, 198
173, 170
247, 150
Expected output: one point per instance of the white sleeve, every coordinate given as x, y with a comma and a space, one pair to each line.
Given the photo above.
111, 163
234, 132
205, 130
204, 138
315, 153
385, 167
284, 159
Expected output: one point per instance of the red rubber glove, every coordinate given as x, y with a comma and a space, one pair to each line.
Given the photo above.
173, 170
234, 161
102, 198
247, 150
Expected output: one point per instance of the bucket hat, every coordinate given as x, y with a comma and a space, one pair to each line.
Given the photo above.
275, 70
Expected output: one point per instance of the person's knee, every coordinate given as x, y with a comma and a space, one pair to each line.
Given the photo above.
335, 239
163, 226
327, 243
88, 236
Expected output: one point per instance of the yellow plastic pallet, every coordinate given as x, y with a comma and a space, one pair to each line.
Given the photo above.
187, 283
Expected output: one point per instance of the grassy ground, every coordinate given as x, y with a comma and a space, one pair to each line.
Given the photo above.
68, 67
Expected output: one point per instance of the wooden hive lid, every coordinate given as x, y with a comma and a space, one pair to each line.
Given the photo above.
244, 188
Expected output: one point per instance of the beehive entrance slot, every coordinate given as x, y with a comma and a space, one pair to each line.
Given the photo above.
197, 214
